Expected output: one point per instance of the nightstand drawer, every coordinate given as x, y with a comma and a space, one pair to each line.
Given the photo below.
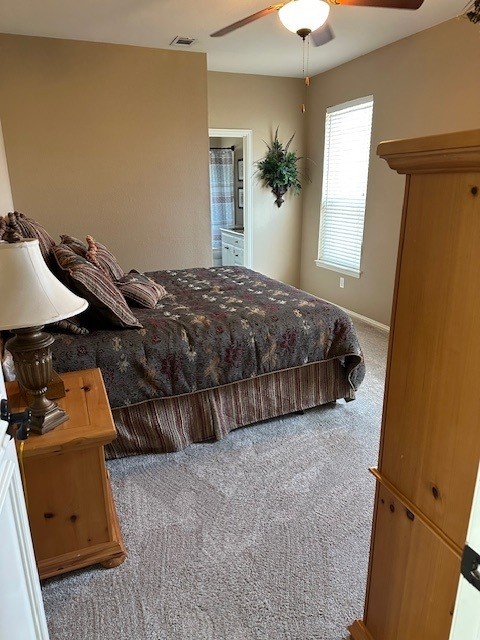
67, 502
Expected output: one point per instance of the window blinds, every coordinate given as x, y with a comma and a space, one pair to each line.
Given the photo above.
348, 129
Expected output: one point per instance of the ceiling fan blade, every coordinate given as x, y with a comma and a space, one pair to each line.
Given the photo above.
322, 35
387, 4
252, 18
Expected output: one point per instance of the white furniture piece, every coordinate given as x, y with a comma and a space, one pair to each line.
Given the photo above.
21, 607
466, 619
232, 247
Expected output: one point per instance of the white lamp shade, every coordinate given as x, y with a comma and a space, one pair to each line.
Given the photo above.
30, 294
304, 14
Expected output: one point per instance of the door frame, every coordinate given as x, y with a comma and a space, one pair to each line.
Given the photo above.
247, 139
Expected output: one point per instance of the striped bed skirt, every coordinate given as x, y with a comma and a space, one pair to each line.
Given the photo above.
171, 424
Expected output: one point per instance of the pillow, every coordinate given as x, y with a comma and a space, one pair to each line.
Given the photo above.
101, 257
92, 284
8, 233
29, 228
70, 325
139, 290
76, 245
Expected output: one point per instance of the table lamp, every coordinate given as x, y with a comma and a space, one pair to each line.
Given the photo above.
30, 297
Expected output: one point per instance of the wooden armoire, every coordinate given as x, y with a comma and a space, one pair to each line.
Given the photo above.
430, 441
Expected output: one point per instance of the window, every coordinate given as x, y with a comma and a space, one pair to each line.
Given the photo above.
348, 129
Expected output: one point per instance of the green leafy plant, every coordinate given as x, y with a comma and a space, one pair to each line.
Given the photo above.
279, 169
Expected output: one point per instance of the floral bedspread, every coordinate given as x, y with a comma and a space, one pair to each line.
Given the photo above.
216, 326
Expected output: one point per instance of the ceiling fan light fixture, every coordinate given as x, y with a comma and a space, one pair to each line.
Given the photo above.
304, 15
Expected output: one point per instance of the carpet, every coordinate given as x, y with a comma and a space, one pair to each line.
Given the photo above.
261, 536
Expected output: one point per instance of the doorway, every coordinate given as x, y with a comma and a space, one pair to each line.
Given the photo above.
231, 203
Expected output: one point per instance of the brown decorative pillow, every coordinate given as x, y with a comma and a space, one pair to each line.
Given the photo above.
139, 290
91, 283
7, 232
101, 257
76, 245
29, 228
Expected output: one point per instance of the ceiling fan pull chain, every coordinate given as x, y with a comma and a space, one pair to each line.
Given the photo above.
302, 107
306, 77
303, 61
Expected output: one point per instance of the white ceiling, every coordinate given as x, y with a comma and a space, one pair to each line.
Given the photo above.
263, 47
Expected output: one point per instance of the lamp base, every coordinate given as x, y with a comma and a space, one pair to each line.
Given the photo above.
45, 422
32, 356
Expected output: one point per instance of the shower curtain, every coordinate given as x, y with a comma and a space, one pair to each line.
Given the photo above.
222, 196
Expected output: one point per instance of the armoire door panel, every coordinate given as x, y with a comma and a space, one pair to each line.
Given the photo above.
430, 446
413, 577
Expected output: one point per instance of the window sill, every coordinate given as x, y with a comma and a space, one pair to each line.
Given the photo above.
343, 270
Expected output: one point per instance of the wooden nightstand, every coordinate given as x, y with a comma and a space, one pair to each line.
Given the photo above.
69, 499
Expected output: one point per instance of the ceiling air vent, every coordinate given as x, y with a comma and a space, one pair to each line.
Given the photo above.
182, 41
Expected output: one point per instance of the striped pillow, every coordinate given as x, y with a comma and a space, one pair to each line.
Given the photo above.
70, 325
91, 283
139, 290
76, 245
101, 257
29, 228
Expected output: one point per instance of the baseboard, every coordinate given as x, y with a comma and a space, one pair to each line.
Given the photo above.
374, 323
354, 314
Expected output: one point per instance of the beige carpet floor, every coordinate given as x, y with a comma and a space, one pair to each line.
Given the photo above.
262, 536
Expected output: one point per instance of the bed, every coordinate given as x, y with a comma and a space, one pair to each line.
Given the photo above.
226, 347
188, 355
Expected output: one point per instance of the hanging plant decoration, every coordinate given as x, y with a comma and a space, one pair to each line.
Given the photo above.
279, 169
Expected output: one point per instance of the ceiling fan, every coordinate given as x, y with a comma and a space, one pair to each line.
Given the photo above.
309, 17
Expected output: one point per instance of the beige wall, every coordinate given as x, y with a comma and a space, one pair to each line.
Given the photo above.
113, 141
260, 103
6, 201
422, 85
